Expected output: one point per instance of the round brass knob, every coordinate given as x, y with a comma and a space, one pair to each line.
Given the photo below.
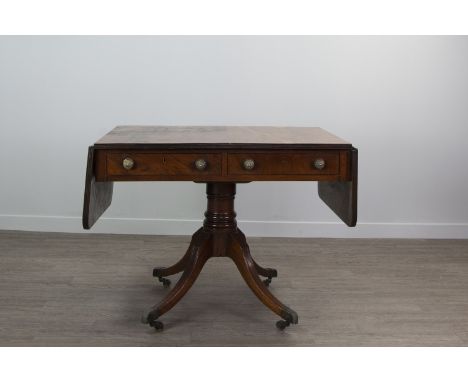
248, 164
201, 164
128, 163
319, 163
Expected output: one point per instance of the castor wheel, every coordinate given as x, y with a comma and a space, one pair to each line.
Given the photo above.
157, 325
151, 319
267, 281
165, 282
282, 324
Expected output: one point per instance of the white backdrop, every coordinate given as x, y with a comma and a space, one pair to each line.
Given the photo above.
402, 101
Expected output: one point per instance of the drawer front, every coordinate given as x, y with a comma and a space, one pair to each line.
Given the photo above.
274, 163
158, 164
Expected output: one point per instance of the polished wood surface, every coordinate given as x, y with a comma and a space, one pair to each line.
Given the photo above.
225, 166
162, 164
221, 156
61, 289
97, 195
220, 137
285, 163
341, 196
219, 237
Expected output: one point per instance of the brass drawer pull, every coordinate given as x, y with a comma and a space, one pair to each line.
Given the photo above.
319, 164
248, 164
128, 163
201, 164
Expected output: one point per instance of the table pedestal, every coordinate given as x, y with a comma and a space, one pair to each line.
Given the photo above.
219, 236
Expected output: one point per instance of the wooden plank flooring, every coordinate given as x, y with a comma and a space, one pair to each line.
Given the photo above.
90, 290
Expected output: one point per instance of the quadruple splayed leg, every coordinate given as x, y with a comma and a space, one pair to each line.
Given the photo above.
218, 237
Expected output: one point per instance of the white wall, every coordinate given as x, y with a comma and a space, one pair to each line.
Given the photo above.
402, 101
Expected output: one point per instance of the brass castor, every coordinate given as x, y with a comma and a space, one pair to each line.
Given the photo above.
165, 282
157, 325
283, 324
152, 320
157, 273
267, 281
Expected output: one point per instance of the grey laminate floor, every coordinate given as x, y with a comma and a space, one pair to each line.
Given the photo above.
90, 290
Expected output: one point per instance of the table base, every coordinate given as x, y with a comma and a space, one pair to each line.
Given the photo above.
219, 237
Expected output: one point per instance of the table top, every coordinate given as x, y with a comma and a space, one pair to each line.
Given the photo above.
220, 137
211, 154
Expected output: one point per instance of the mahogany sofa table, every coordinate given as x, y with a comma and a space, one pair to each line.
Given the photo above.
221, 157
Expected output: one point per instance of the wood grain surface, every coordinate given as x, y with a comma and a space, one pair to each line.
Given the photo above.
97, 195
161, 164
91, 289
169, 153
225, 166
287, 163
219, 136
341, 196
